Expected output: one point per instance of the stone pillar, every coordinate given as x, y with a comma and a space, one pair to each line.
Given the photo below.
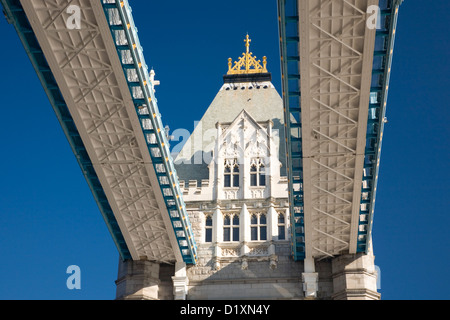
180, 282
138, 280
354, 277
217, 233
216, 167
310, 284
310, 279
244, 230
272, 222
217, 236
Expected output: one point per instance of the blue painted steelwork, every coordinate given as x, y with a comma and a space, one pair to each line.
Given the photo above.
384, 46
130, 53
16, 16
290, 62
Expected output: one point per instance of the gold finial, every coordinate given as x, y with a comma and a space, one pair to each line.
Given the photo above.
247, 43
247, 64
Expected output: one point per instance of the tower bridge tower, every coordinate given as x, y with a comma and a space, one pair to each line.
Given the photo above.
271, 197
236, 192
232, 172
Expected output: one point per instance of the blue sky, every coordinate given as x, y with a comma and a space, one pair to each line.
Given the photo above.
49, 219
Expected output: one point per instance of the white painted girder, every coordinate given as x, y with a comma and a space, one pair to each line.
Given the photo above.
87, 68
336, 57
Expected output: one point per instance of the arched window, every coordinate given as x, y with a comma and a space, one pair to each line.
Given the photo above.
257, 173
231, 173
231, 228
281, 227
258, 227
208, 228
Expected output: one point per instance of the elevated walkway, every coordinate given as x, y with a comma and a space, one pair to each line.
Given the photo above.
98, 83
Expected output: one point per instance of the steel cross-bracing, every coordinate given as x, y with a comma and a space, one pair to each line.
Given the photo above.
96, 77
335, 75
332, 90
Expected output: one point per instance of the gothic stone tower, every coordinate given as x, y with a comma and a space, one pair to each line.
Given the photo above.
233, 175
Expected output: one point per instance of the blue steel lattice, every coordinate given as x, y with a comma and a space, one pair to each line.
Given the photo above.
290, 69
124, 33
383, 54
16, 16
159, 149
290, 60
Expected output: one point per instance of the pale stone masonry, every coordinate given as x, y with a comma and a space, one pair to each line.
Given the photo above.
144, 280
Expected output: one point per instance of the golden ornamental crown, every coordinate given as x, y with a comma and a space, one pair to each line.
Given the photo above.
247, 63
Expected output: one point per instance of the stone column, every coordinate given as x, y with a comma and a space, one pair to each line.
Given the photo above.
271, 157
138, 280
354, 277
272, 223
244, 230
180, 282
310, 279
217, 236
216, 175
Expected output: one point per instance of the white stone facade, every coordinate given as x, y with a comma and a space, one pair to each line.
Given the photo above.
240, 211
236, 193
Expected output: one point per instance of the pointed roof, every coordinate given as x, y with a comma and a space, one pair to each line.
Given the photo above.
252, 92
